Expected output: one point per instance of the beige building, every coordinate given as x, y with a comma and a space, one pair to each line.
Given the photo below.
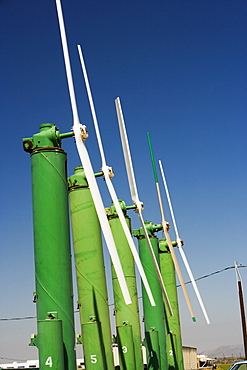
190, 358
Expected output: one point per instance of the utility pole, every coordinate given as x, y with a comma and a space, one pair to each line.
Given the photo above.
242, 311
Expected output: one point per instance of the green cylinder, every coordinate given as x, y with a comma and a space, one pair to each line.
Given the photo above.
127, 316
51, 354
90, 274
172, 323
126, 348
153, 354
51, 236
95, 355
153, 316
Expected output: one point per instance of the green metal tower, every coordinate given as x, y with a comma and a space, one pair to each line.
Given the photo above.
90, 273
127, 316
155, 330
54, 295
174, 339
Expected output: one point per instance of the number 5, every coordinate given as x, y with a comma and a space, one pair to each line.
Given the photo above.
93, 359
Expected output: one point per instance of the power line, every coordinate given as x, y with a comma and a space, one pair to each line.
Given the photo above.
23, 318
214, 273
19, 318
188, 282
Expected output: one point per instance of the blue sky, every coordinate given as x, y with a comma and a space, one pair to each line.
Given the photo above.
179, 68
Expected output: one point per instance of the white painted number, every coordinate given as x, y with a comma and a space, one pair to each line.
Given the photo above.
49, 361
171, 352
124, 349
93, 359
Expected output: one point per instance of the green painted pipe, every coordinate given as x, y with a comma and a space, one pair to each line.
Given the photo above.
126, 348
90, 274
172, 323
153, 316
51, 352
51, 237
127, 316
153, 354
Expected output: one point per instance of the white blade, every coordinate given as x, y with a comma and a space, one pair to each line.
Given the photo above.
90, 98
180, 247
174, 258
165, 226
110, 186
129, 239
134, 195
126, 151
156, 266
88, 167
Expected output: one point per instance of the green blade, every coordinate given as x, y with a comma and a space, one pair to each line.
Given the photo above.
152, 158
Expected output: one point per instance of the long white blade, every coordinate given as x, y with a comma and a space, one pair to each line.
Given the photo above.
165, 226
180, 247
174, 258
135, 197
130, 240
126, 151
156, 266
90, 98
110, 186
88, 167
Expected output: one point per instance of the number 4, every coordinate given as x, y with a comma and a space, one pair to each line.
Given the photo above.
49, 361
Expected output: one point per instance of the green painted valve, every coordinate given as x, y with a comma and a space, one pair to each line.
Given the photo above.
48, 136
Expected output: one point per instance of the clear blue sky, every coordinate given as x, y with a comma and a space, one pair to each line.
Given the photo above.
180, 70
